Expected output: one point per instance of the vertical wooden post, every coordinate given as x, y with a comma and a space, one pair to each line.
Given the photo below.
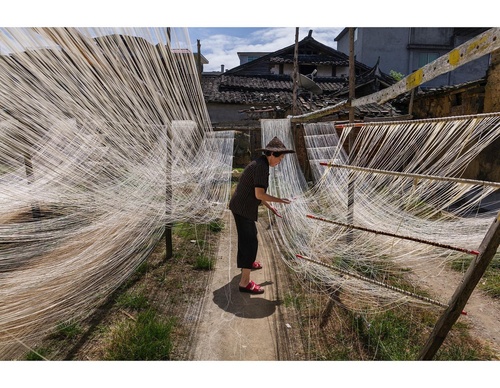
352, 75
352, 93
168, 195
410, 106
295, 77
459, 299
198, 60
168, 182
35, 208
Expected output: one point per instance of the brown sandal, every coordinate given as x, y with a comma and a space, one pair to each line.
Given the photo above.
252, 288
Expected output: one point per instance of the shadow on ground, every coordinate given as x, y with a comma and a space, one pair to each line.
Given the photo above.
242, 304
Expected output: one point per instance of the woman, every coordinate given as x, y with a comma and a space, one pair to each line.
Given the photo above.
250, 193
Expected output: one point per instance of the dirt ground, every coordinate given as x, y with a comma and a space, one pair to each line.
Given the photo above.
219, 323
482, 312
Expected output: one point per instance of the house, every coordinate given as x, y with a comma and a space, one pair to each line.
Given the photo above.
263, 86
468, 98
406, 49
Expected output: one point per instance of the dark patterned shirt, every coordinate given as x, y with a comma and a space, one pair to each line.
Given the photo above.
243, 201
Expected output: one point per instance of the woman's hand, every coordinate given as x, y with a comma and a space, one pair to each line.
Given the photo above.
273, 209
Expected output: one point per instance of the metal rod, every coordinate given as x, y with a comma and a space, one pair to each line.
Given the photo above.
446, 246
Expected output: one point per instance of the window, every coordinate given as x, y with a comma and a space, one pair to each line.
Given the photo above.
456, 99
425, 58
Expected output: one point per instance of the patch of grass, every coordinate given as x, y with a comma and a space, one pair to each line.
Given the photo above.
216, 226
133, 300
389, 336
148, 338
399, 335
40, 354
458, 352
185, 231
490, 283
64, 335
67, 330
204, 262
190, 232
142, 269
459, 346
290, 300
336, 334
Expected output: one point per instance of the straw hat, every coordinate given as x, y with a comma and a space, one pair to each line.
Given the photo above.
275, 145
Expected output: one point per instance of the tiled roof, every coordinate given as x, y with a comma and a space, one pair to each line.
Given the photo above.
312, 59
267, 93
250, 84
445, 89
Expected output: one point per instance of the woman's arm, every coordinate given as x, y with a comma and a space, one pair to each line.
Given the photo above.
261, 195
265, 198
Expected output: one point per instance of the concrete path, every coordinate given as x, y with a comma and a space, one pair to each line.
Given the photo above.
235, 325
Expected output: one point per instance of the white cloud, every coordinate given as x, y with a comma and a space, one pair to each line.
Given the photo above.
222, 49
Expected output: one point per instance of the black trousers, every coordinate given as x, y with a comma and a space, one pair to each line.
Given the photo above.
247, 241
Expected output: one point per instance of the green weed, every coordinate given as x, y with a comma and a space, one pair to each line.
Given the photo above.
133, 300
67, 330
490, 281
37, 355
147, 338
204, 262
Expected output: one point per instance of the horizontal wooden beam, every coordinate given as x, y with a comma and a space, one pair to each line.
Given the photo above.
475, 48
414, 176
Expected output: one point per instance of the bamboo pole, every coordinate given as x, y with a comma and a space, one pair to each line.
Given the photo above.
414, 176
459, 299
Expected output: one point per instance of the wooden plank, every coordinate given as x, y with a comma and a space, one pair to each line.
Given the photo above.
307, 117
487, 249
